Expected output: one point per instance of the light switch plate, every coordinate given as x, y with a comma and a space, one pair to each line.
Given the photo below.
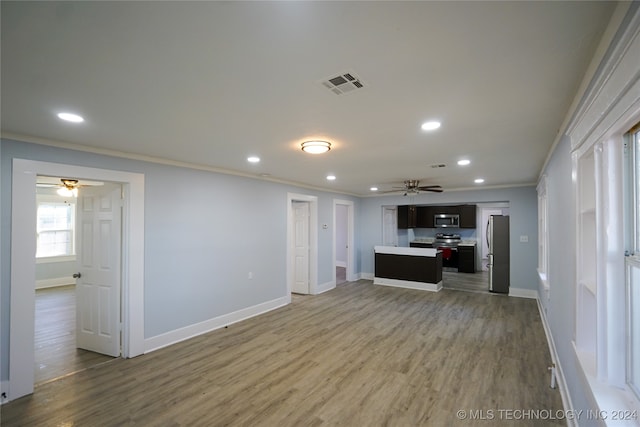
524, 239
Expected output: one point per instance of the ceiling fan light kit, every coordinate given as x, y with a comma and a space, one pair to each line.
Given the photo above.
316, 147
69, 188
66, 192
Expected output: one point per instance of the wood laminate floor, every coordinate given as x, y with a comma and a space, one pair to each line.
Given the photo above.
359, 355
56, 354
471, 282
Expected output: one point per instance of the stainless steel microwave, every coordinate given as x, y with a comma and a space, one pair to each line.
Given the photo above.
446, 220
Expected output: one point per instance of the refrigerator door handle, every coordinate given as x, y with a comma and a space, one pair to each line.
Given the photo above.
486, 234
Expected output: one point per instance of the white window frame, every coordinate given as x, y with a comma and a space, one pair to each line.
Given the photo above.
632, 245
543, 232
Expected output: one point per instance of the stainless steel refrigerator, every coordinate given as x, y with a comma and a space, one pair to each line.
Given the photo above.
498, 262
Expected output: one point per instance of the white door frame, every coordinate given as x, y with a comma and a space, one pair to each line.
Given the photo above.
23, 250
313, 241
350, 238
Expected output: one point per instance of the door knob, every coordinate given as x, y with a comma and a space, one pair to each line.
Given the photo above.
77, 275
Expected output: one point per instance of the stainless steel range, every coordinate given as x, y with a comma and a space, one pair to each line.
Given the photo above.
446, 240
448, 244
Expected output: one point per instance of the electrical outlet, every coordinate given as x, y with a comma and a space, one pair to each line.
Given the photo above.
250, 275
524, 239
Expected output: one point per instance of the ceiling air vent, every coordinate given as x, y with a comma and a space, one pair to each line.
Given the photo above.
438, 165
343, 83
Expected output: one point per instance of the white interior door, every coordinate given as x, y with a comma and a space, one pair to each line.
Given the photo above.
389, 226
301, 247
99, 220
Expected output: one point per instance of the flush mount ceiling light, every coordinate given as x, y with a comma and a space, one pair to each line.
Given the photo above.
70, 117
253, 159
374, 189
432, 125
479, 181
316, 147
331, 177
464, 162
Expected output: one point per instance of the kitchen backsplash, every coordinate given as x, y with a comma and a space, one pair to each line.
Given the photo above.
421, 233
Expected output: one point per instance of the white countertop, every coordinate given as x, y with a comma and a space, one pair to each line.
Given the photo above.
396, 250
467, 243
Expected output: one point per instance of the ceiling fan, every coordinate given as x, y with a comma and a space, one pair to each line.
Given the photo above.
412, 186
67, 187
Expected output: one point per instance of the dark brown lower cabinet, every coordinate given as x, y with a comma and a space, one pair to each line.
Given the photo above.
466, 259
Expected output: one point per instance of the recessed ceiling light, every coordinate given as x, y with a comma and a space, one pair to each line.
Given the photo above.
374, 189
253, 159
331, 177
464, 162
433, 125
70, 117
316, 147
479, 181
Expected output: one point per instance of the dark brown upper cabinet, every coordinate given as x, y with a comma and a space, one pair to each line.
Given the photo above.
407, 216
467, 216
412, 216
424, 217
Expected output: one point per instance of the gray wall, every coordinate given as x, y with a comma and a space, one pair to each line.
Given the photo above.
60, 271
523, 211
204, 232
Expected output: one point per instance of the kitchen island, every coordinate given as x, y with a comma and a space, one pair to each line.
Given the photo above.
415, 268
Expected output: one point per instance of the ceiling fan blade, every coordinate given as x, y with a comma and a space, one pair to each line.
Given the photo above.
434, 188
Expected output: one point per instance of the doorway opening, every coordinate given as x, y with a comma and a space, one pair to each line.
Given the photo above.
78, 276
343, 241
23, 248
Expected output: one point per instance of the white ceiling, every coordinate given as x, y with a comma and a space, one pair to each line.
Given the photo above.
210, 83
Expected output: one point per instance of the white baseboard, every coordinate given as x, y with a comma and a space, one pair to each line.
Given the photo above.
55, 282
432, 287
366, 276
341, 264
561, 382
182, 334
324, 287
523, 293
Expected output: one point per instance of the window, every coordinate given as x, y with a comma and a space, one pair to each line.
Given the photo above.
55, 229
632, 258
543, 233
